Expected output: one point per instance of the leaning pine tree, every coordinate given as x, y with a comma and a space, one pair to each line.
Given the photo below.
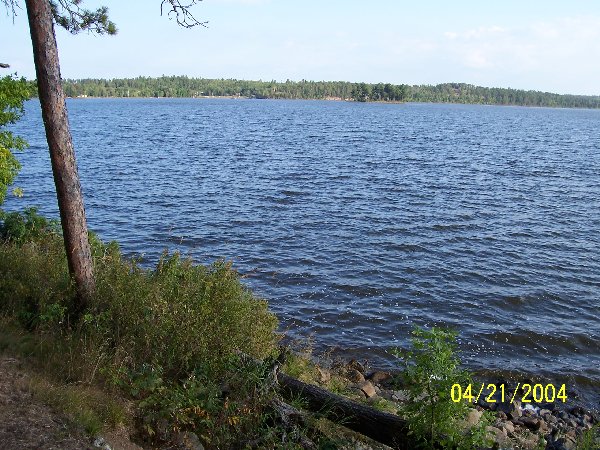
68, 14
62, 153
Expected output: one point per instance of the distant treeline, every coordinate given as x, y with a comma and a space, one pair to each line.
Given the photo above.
182, 86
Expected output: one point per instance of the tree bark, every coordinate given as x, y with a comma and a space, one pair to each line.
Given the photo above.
62, 153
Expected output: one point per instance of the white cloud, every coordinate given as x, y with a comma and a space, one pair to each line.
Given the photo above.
556, 53
560, 55
545, 30
482, 32
477, 59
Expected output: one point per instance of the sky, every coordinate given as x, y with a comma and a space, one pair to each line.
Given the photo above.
549, 45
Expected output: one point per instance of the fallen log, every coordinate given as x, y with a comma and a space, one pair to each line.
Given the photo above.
383, 427
380, 426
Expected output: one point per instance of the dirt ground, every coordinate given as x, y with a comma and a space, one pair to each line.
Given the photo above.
26, 423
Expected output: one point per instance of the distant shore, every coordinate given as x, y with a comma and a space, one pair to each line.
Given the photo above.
348, 100
185, 87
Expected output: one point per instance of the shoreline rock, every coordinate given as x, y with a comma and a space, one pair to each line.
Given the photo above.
515, 425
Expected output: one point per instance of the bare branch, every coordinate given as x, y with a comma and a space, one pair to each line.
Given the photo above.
181, 12
11, 8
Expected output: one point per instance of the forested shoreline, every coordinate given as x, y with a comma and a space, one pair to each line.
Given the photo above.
183, 86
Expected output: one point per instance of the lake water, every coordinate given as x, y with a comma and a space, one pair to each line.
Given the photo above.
357, 221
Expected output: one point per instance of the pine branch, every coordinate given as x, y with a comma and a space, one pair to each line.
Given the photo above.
69, 15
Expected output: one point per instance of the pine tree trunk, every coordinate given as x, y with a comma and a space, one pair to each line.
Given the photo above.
62, 153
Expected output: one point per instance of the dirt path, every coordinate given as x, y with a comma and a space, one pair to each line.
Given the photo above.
26, 423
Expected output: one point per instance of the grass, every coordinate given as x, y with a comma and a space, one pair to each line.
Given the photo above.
87, 406
384, 405
301, 367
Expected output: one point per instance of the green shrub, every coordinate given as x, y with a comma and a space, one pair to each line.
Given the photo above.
433, 367
224, 415
26, 226
34, 277
177, 316
13, 93
180, 316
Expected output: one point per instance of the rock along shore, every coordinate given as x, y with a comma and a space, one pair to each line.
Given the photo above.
516, 425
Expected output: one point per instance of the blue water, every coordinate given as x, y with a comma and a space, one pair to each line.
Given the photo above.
357, 221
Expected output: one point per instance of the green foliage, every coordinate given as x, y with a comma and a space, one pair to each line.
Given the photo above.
26, 226
88, 407
470, 94
379, 92
176, 317
301, 368
589, 440
33, 269
183, 86
72, 17
221, 414
13, 93
361, 92
180, 315
432, 368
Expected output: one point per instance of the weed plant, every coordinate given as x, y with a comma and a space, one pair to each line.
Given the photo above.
589, 440
432, 368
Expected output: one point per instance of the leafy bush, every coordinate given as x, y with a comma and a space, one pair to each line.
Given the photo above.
26, 226
433, 367
225, 415
179, 316
33, 273
13, 93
